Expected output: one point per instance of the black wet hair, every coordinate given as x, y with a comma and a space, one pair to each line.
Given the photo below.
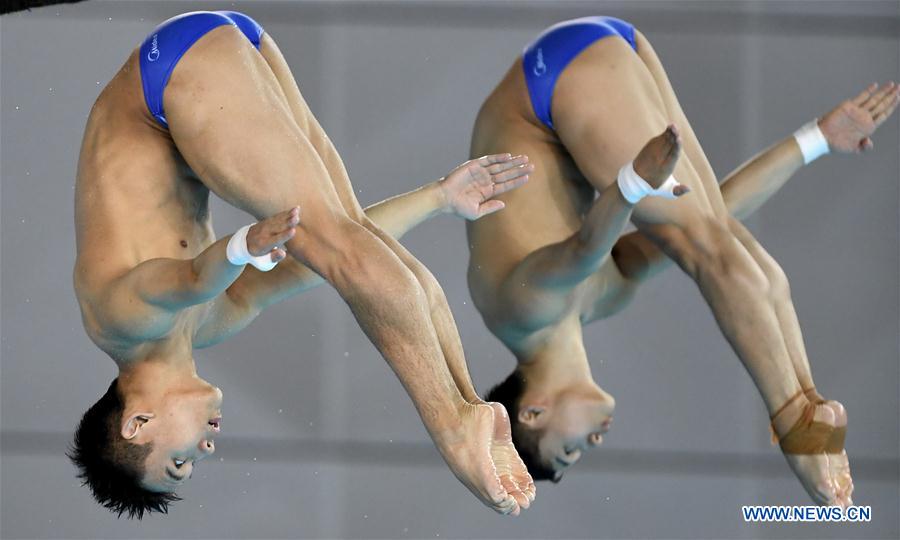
110, 465
526, 439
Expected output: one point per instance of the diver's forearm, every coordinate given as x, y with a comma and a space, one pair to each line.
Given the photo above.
402, 213
753, 183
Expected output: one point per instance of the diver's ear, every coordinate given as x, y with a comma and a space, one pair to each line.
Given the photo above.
532, 415
133, 424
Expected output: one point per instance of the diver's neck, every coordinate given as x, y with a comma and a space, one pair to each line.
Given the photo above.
153, 377
560, 361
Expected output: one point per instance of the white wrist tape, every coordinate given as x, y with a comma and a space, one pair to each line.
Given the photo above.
812, 141
634, 188
238, 254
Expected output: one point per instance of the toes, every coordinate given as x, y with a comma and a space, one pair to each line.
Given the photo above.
824, 493
513, 490
507, 506
530, 491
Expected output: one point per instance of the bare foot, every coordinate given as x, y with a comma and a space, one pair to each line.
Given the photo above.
838, 462
804, 429
467, 450
656, 160
510, 468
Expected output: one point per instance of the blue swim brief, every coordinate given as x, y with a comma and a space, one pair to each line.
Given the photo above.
546, 57
166, 44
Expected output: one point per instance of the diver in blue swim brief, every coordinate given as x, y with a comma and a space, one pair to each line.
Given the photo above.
583, 101
166, 44
154, 283
545, 58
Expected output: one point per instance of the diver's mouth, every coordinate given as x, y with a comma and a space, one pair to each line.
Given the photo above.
606, 425
215, 423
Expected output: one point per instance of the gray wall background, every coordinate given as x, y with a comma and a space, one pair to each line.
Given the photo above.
320, 440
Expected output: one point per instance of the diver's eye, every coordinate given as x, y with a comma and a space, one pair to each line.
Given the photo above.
179, 463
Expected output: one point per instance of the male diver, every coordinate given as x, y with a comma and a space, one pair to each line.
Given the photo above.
208, 103
581, 102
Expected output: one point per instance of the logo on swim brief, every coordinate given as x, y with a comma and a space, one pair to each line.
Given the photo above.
540, 67
153, 55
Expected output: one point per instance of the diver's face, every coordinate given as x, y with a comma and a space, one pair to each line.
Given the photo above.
182, 434
575, 425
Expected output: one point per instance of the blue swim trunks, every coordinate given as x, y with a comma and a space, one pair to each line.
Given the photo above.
166, 44
546, 57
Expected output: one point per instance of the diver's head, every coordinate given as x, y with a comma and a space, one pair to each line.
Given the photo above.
553, 425
111, 466
180, 423
139, 443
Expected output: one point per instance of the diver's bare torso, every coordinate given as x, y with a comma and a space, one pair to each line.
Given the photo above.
135, 199
547, 210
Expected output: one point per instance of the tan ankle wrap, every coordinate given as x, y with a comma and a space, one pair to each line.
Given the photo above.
806, 436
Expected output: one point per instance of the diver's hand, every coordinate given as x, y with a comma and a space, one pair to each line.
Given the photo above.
849, 126
270, 234
469, 189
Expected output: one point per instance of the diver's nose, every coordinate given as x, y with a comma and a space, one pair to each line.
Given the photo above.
609, 402
207, 447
